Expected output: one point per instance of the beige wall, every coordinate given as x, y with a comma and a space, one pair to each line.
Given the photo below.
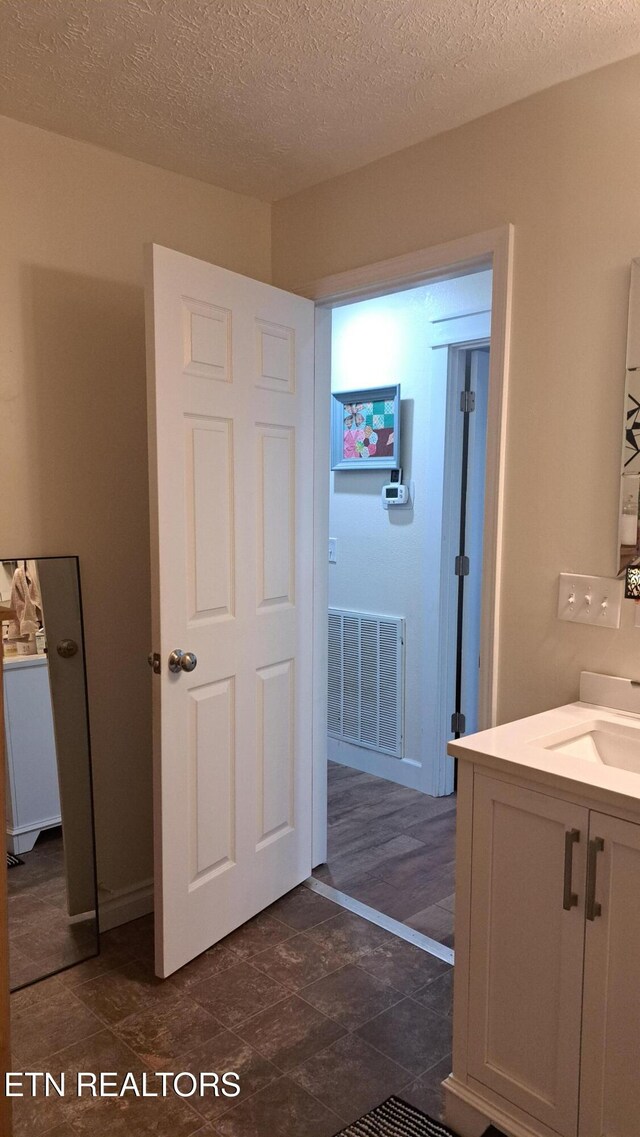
564, 167
73, 460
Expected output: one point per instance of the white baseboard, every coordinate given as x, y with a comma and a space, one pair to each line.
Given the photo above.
467, 1113
122, 905
398, 770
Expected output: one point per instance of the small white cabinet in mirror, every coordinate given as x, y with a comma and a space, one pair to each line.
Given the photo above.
51, 880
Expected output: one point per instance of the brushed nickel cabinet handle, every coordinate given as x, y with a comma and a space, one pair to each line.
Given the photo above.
596, 845
569, 898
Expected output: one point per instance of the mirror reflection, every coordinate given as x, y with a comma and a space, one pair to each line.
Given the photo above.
49, 814
629, 523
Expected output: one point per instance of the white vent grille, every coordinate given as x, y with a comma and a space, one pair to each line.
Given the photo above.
366, 669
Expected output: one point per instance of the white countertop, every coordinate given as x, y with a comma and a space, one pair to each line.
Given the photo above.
518, 747
24, 661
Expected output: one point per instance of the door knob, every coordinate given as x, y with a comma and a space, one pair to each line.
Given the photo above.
67, 648
182, 661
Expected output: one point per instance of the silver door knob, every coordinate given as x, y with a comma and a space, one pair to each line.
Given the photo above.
182, 661
67, 648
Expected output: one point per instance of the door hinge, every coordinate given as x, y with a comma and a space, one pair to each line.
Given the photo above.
458, 723
461, 566
467, 401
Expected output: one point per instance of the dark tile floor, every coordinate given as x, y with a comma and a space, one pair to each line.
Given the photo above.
392, 848
41, 937
322, 1014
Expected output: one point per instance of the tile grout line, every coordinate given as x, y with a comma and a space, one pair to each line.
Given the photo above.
293, 994
359, 962
279, 1074
113, 1028
294, 990
282, 1074
287, 994
412, 1076
187, 995
353, 1029
288, 1073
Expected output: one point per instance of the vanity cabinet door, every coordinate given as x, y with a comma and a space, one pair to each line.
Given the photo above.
610, 1079
526, 956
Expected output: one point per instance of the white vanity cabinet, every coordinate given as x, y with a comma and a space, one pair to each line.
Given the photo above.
547, 979
610, 1069
33, 796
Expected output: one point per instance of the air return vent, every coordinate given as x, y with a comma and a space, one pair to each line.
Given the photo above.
366, 668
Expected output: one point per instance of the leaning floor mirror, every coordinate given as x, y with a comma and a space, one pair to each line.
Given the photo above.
49, 807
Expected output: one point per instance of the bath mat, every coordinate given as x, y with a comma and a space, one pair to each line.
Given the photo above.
13, 861
396, 1118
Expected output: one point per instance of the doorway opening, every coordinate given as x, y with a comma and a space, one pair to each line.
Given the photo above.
404, 594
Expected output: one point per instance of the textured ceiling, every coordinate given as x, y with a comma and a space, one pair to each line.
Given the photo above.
269, 96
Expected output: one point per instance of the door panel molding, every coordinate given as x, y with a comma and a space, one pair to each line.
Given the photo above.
231, 409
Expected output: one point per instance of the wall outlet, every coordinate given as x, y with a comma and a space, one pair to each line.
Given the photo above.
590, 599
333, 550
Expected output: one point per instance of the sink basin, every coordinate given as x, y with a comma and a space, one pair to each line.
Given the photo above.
593, 743
600, 741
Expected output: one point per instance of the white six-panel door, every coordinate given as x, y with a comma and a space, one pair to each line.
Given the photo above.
230, 377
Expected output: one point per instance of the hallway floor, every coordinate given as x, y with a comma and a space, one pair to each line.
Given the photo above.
393, 848
321, 1013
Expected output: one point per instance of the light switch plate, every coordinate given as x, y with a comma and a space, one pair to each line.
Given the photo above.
590, 599
333, 550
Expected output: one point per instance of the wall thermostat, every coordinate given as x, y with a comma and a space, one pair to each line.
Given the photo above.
394, 494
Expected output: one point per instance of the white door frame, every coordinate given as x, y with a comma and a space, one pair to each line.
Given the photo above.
442, 767
490, 249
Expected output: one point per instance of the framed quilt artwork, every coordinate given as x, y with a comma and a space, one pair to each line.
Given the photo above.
365, 429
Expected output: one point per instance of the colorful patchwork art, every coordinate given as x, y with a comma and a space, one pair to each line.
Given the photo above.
368, 430
365, 428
